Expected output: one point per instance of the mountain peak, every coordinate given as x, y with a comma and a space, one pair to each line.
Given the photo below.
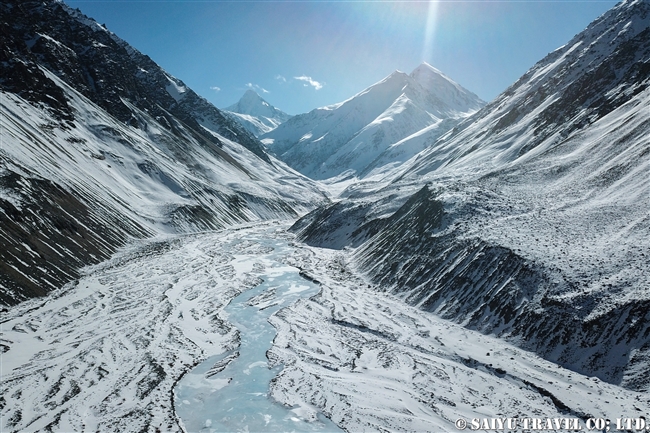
250, 103
251, 95
453, 94
354, 136
253, 104
396, 75
424, 67
255, 114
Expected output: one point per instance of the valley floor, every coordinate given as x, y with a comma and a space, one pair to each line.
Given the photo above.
106, 353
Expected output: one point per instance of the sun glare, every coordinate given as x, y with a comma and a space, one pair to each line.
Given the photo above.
430, 30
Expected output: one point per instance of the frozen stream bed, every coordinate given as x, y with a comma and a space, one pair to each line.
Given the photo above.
136, 338
230, 392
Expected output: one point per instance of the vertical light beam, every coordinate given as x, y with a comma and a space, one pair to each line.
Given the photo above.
430, 30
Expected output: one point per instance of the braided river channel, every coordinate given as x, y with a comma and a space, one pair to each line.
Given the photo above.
211, 398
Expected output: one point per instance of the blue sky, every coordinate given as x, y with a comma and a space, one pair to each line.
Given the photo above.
299, 55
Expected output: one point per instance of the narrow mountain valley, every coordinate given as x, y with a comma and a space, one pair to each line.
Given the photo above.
410, 259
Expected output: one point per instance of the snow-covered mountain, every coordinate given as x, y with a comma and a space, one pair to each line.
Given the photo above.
529, 220
452, 94
101, 146
255, 114
366, 132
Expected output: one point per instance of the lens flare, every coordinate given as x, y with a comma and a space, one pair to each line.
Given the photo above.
430, 30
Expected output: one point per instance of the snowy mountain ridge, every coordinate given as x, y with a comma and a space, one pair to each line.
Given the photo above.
502, 272
535, 207
255, 114
597, 71
100, 146
444, 88
351, 137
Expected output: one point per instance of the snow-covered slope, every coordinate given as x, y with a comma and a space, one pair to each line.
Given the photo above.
100, 146
452, 94
596, 72
531, 219
255, 114
353, 136
372, 363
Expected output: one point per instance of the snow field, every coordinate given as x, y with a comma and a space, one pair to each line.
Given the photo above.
104, 353
372, 363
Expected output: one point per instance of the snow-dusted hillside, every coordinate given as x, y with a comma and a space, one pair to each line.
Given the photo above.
255, 114
352, 137
599, 70
531, 219
502, 272
99, 145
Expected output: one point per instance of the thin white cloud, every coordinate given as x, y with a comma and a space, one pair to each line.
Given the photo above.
280, 78
310, 82
256, 87
215, 88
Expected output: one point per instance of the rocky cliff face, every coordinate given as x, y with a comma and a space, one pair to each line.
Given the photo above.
100, 66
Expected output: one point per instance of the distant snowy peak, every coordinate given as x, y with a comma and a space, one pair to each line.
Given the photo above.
353, 136
447, 90
257, 115
253, 104
431, 89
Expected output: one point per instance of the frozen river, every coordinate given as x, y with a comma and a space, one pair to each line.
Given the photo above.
212, 398
107, 352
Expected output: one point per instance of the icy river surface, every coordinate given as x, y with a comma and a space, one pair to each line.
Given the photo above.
229, 392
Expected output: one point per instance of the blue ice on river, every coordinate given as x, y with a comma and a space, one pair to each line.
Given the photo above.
236, 399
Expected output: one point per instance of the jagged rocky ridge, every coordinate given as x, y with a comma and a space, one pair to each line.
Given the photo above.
100, 146
100, 66
529, 220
